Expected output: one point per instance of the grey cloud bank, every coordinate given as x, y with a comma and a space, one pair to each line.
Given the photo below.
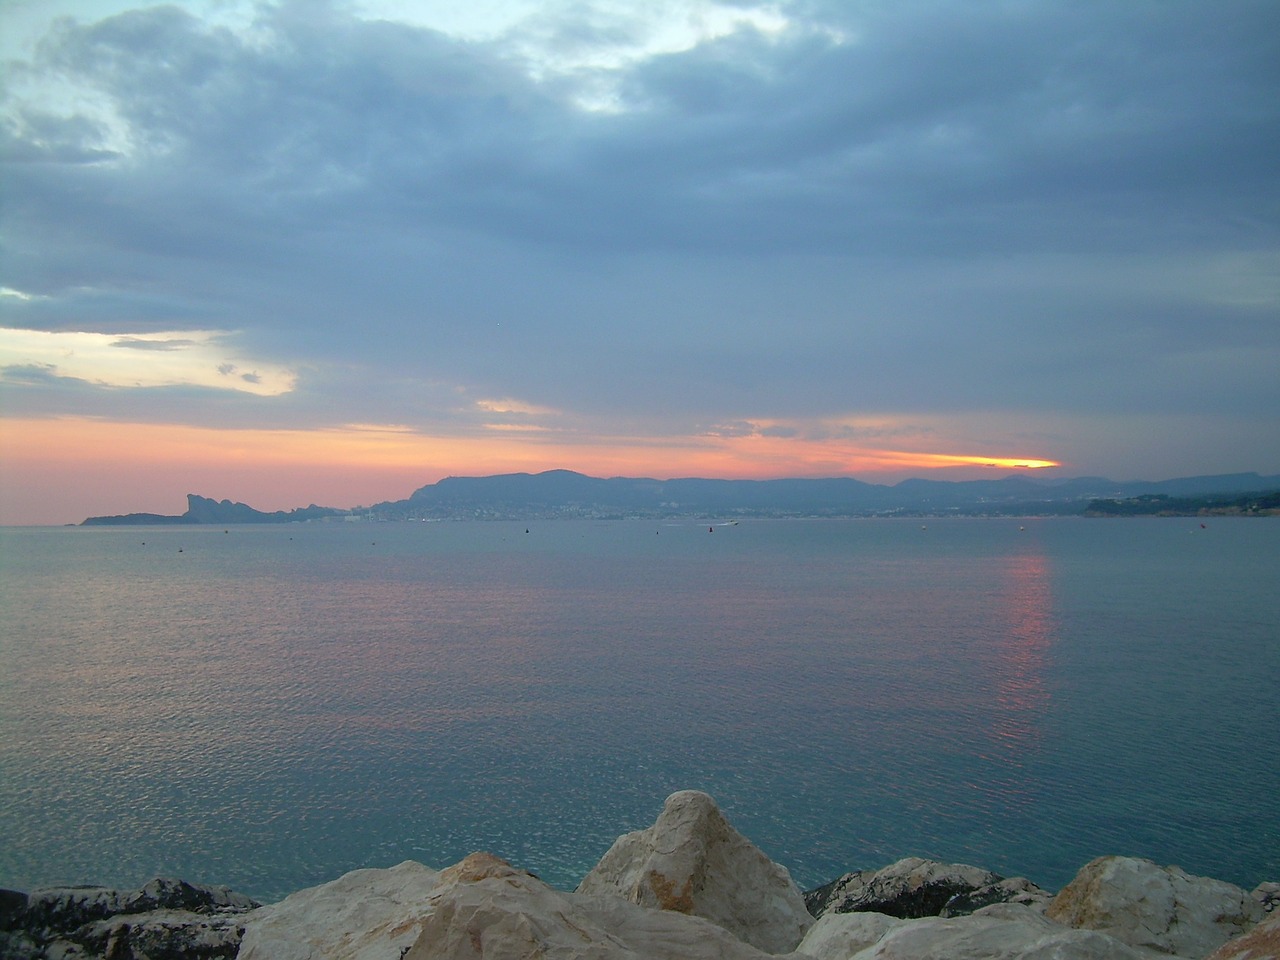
1055, 222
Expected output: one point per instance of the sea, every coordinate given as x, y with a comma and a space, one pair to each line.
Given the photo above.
268, 707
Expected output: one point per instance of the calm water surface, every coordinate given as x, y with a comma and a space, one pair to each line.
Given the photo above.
269, 707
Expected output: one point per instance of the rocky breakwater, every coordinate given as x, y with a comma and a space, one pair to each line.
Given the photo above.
687, 888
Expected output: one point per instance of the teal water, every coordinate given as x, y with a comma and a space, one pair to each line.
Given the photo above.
269, 707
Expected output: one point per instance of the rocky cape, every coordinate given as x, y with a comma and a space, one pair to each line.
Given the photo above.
689, 887
557, 494
204, 510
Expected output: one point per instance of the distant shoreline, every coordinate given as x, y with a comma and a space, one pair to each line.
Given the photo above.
563, 494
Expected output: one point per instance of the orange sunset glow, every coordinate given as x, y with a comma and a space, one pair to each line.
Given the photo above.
149, 467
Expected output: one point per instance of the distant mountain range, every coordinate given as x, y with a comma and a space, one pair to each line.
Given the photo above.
565, 494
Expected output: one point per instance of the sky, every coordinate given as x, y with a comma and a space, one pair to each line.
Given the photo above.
327, 252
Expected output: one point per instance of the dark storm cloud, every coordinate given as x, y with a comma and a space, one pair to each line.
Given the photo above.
965, 118
980, 206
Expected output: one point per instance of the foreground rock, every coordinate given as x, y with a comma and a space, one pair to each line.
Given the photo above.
688, 888
914, 888
835, 936
693, 861
1162, 908
485, 908
1000, 932
481, 907
165, 920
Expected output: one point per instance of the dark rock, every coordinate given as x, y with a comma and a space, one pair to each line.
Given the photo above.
18, 946
167, 919
163, 935
14, 943
13, 903
908, 889
1013, 890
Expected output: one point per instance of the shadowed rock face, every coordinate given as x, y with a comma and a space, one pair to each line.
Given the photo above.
693, 861
1260, 943
165, 920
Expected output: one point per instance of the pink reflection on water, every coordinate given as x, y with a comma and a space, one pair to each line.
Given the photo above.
1024, 638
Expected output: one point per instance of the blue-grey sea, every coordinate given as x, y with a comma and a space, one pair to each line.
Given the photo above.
271, 706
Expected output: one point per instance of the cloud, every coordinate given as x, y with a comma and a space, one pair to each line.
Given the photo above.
742, 428
779, 430
145, 343
29, 374
147, 360
9, 292
971, 121
514, 406
782, 219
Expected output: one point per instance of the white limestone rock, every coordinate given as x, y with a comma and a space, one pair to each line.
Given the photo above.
838, 936
1163, 908
692, 861
485, 909
1000, 932
363, 915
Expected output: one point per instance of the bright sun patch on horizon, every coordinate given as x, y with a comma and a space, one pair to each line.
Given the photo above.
959, 460
198, 358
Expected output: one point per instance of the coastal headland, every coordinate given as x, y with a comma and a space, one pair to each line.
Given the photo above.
688, 887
